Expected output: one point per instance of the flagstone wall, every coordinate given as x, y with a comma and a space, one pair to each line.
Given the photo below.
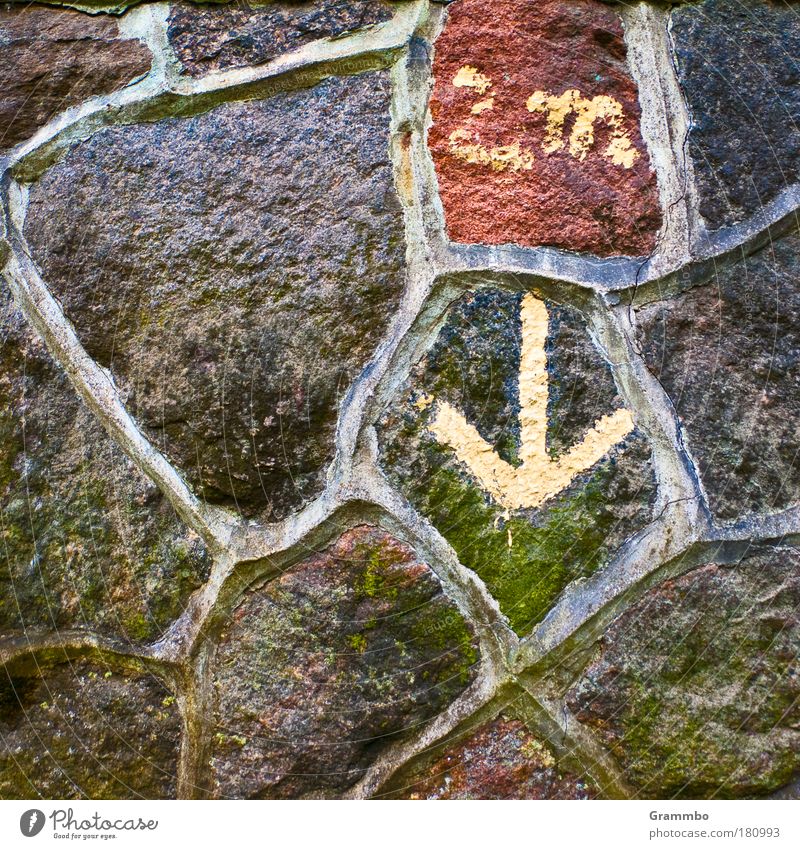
400, 398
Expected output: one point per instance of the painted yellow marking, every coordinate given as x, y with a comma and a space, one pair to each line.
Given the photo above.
469, 77
424, 401
620, 150
482, 106
538, 477
513, 157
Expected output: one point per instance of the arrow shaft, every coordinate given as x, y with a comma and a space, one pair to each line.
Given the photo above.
533, 382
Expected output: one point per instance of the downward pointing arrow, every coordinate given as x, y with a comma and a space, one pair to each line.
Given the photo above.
538, 477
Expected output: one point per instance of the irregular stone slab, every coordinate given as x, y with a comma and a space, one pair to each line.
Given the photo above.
696, 688
235, 271
87, 541
539, 143
215, 38
322, 668
737, 64
501, 760
526, 556
83, 731
51, 59
728, 355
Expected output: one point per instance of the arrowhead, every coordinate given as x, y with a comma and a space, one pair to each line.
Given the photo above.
538, 477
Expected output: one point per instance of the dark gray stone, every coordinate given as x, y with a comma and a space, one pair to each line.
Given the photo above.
216, 37
728, 355
83, 731
235, 271
739, 67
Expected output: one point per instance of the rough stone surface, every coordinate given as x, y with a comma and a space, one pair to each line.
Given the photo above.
503, 176
235, 271
320, 669
501, 760
51, 59
525, 557
214, 38
728, 355
697, 689
87, 541
82, 731
738, 67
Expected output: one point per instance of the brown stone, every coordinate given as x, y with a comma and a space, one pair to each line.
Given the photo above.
507, 171
319, 670
213, 38
51, 59
501, 760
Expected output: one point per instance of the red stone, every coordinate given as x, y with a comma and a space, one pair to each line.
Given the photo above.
501, 760
557, 189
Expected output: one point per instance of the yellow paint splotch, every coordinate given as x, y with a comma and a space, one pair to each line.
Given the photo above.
513, 157
557, 108
469, 77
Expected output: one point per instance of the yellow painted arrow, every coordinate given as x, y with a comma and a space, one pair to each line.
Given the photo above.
538, 477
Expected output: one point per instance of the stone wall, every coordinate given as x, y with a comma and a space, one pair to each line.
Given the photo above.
398, 399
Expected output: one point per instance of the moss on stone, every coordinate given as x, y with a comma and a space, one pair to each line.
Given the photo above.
695, 687
87, 540
525, 566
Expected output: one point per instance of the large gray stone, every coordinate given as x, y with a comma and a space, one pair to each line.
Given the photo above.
235, 271
696, 688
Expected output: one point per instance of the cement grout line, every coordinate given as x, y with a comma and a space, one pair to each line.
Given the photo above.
461, 710
551, 720
665, 129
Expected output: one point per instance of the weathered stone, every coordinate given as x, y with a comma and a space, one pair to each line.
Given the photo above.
525, 556
697, 689
214, 38
539, 143
82, 731
87, 541
501, 760
51, 59
737, 63
323, 667
728, 355
235, 271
